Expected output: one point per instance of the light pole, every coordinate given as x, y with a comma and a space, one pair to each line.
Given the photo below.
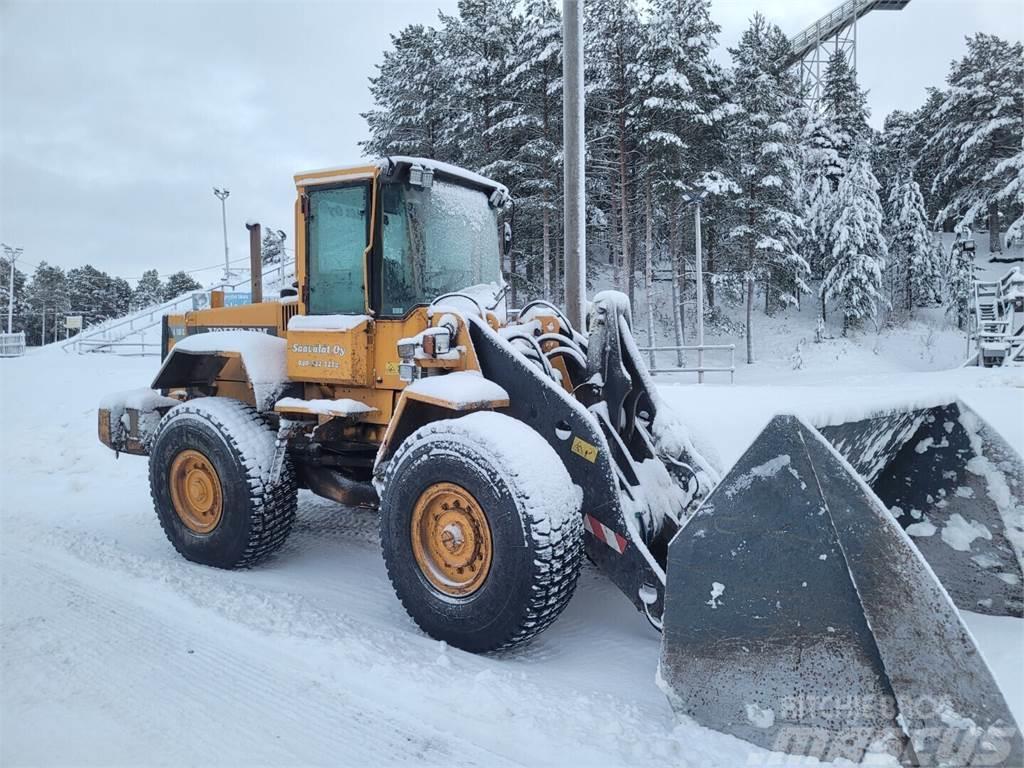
222, 195
12, 256
695, 200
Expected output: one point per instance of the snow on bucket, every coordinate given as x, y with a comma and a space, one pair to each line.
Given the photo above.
800, 617
955, 486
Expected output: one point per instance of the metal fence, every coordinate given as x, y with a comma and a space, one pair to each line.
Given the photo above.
12, 344
700, 369
127, 348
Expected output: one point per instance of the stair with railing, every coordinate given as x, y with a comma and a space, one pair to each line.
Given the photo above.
835, 21
998, 319
133, 333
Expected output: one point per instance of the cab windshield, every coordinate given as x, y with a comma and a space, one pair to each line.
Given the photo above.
437, 239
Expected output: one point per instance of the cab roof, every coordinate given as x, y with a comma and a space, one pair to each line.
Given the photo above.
394, 164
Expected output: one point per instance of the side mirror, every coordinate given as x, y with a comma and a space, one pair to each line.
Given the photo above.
507, 238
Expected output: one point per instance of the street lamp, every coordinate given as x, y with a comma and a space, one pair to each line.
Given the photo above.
222, 195
695, 199
12, 255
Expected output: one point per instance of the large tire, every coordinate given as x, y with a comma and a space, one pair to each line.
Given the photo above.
532, 518
254, 516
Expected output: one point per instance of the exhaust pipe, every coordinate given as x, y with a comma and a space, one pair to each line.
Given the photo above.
255, 260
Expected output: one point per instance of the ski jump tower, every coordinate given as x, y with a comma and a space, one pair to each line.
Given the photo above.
833, 33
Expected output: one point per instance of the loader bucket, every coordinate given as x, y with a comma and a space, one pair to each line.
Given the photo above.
800, 617
954, 485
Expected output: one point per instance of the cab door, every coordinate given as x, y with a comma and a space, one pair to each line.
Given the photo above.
338, 239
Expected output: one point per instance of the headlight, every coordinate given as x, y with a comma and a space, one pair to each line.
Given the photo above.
407, 349
442, 342
406, 371
436, 342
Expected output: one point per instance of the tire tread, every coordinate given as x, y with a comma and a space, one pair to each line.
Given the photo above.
273, 505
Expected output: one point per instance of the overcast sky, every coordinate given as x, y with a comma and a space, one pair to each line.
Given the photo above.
117, 118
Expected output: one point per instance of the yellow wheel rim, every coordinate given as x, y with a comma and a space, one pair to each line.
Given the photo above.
451, 539
195, 491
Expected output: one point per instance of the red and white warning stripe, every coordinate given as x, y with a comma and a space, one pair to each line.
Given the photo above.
602, 532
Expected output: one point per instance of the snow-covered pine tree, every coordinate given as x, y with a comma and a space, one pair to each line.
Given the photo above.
846, 107
979, 136
412, 97
820, 170
531, 114
680, 114
478, 44
892, 151
612, 30
148, 291
178, 284
764, 215
853, 274
926, 160
46, 296
959, 284
119, 297
914, 270
97, 296
272, 247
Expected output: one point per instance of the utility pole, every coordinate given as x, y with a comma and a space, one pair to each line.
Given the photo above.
575, 250
12, 256
222, 195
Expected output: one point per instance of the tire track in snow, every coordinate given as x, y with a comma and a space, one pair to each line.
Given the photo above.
377, 664
224, 700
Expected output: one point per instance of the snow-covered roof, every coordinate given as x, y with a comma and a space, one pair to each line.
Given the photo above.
365, 170
444, 168
334, 175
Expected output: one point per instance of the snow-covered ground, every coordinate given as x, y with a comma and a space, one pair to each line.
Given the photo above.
784, 347
116, 652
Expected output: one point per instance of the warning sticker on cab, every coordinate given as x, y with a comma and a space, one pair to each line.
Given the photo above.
582, 448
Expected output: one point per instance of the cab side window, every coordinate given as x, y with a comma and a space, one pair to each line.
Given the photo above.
338, 224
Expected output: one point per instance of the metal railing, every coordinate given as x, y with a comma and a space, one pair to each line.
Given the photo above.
110, 331
121, 347
835, 21
12, 344
700, 369
997, 330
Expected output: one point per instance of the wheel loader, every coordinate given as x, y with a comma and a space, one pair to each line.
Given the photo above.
807, 598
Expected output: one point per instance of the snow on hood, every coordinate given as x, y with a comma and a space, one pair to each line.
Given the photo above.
264, 357
463, 388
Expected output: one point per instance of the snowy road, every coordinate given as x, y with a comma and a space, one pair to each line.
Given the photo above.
117, 652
